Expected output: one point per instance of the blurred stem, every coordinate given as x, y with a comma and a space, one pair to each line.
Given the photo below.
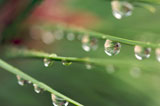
82, 32
16, 71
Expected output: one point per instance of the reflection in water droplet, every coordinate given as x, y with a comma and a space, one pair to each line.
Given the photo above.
88, 66
89, 44
47, 37
59, 34
20, 80
135, 72
37, 89
110, 69
70, 36
121, 9
58, 101
142, 52
47, 62
158, 54
66, 63
112, 48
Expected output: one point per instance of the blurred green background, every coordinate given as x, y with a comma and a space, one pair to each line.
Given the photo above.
95, 87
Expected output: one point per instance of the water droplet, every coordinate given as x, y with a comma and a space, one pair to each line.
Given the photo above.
121, 9
112, 48
88, 66
21, 81
59, 34
47, 62
85, 43
110, 69
142, 52
70, 36
135, 72
58, 101
66, 63
94, 44
89, 44
47, 37
37, 89
158, 54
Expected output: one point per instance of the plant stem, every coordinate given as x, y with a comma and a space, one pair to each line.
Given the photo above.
82, 32
16, 71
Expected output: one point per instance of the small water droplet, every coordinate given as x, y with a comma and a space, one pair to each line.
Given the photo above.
47, 37
158, 54
94, 44
70, 36
121, 9
21, 81
66, 63
110, 69
85, 43
89, 44
88, 66
112, 48
59, 34
58, 101
37, 89
47, 62
135, 72
142, 52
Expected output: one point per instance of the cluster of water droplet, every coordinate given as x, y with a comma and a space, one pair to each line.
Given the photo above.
121, 9
56, 100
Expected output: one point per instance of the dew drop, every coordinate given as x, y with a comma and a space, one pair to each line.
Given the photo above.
110, 69
70, 36
66, 63
20, 80
158, 54
47, 62
37, 89
59, 34
121, 9
88, 66
94, 44
58, 101
47, 37
112, 48
85, 43
89, 44
135, 72
142, 52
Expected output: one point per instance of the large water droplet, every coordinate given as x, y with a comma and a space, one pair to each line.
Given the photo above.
89, 44
21, 81
66, 63
158, 54
142, 52
135, 72
121, 9
112, 48
37, 89
58, 101
70, 36
47, 62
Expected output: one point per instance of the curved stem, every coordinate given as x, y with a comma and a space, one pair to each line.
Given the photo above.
82, 32
16, 71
